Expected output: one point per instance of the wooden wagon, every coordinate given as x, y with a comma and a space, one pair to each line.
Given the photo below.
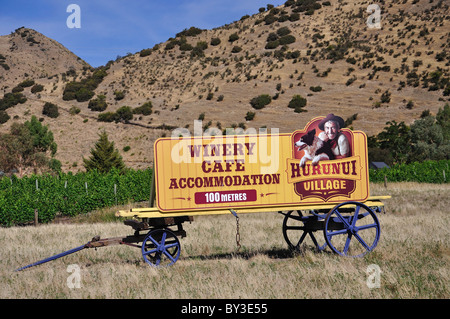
256, 173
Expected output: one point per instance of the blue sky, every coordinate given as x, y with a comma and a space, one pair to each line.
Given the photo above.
116, 27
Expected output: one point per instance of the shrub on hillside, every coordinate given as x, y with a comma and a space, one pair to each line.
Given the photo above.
12, 99
144, 109
17, 89
84, 94
124, 114
215, 41
250, 116
145, 52
170, 45
385, 97
272, 45
74, 110
37, 88
261, 101
50, 110
297, 103
4, 117
83, 90
192, 31
236, 49
269, 19
294, 17
186, 47
197, 51
106, 117
233, 37
287, 39
27, 83
119, 95
99, 104
283, 31
292, 55
315, 88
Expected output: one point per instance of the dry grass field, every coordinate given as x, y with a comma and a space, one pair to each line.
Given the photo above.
413, 256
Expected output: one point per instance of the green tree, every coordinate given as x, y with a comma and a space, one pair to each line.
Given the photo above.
425, 139
443, 119
104, 156
28, 146
396, 138
428, 141
41, 137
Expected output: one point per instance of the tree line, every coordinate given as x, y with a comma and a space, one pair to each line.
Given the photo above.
29, 148
427, 138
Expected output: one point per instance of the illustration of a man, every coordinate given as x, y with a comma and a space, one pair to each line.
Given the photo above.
331, 127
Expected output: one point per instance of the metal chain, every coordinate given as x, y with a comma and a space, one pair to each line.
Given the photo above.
238, 235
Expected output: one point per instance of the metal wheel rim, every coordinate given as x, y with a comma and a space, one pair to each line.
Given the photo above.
353, 235
161, 248
299, 227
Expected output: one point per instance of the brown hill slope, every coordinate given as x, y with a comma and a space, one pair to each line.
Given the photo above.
325, 53
27, 53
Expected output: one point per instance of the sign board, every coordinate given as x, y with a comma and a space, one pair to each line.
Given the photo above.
262, 170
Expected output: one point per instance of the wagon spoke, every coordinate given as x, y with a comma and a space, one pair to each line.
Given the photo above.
366, 226
302, 238
168, 255
163, 239
294, 227
170, 245
347, 244
363, 243
344, 220
337, 232
148, 252
153, 240
355, 217
319, 248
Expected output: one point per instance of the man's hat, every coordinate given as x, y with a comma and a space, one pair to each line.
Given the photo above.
332, 117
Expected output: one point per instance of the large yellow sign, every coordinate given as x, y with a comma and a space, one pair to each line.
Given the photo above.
309, 166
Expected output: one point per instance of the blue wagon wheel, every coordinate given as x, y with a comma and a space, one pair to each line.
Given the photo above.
296, 228
351, 229
161, 248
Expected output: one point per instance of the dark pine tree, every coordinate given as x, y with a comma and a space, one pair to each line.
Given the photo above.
104, 156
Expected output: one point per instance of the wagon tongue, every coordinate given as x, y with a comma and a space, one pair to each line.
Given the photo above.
74, 250
65, 253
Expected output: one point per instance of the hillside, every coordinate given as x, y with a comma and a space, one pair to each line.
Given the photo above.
28, 54
321, 50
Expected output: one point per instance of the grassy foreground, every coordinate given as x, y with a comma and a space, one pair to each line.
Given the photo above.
413, 256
